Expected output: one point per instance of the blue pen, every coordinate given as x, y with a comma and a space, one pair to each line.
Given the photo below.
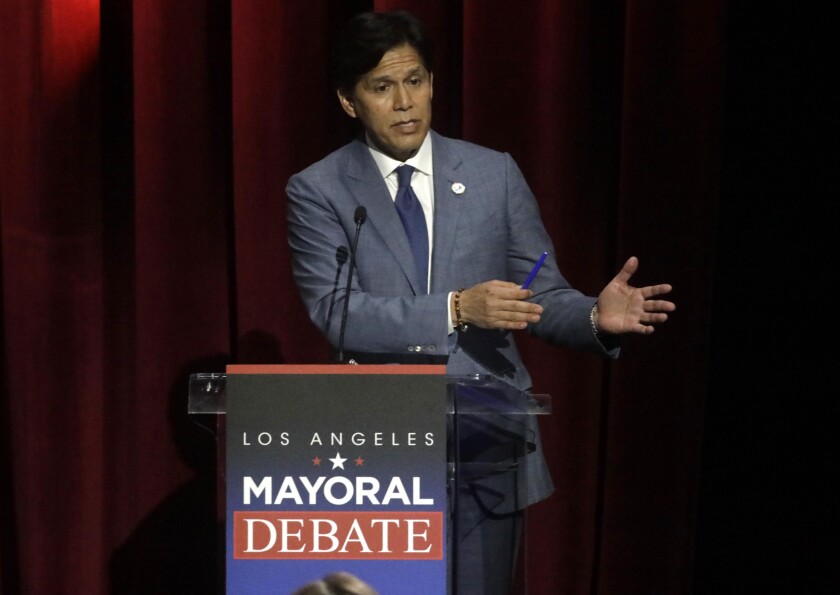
534, 270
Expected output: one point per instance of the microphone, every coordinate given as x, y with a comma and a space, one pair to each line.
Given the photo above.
359, 216
340, 258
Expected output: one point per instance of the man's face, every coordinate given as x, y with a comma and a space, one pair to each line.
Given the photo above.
394, 102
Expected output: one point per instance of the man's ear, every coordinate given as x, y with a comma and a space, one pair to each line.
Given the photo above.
346, 104
431, 85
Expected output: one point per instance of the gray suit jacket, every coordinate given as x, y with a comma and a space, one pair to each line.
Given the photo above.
492, 230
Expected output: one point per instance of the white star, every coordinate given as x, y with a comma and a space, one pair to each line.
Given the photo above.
337, 461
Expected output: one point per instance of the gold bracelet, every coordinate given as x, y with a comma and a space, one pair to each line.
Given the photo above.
459, 323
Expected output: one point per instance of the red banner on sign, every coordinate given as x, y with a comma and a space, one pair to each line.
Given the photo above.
264, 535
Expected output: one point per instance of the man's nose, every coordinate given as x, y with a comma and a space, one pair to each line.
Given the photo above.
402, 100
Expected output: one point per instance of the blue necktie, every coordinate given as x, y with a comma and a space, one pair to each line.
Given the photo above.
414, 222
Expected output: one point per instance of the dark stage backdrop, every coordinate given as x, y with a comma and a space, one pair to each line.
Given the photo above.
144, 149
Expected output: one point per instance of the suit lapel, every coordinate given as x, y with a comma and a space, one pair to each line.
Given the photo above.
447, 210
370, 191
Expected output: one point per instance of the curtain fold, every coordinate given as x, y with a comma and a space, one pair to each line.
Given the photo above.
144, 150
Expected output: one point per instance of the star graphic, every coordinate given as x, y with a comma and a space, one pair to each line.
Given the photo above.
359, 461
337, 461
316, 461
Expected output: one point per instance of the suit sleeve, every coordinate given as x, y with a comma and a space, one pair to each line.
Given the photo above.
382, 316
565, 319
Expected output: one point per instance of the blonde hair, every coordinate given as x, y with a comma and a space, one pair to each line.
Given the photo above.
337, 583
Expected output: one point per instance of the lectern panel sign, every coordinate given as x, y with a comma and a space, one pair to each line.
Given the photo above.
336, 469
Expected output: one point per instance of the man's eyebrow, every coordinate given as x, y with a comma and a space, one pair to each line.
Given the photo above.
387, 78
417, 71
382, 78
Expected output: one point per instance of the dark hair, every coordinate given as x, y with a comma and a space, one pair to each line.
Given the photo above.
366, 37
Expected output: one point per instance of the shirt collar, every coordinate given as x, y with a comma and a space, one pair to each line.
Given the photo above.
422, 161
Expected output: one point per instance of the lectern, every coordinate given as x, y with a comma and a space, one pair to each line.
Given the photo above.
365, 470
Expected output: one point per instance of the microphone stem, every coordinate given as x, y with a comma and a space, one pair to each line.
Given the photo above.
347, 291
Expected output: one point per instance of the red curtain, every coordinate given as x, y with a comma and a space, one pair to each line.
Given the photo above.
144, 149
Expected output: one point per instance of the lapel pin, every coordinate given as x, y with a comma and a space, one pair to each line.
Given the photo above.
458, 188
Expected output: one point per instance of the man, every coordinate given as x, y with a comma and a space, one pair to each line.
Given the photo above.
447, 242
